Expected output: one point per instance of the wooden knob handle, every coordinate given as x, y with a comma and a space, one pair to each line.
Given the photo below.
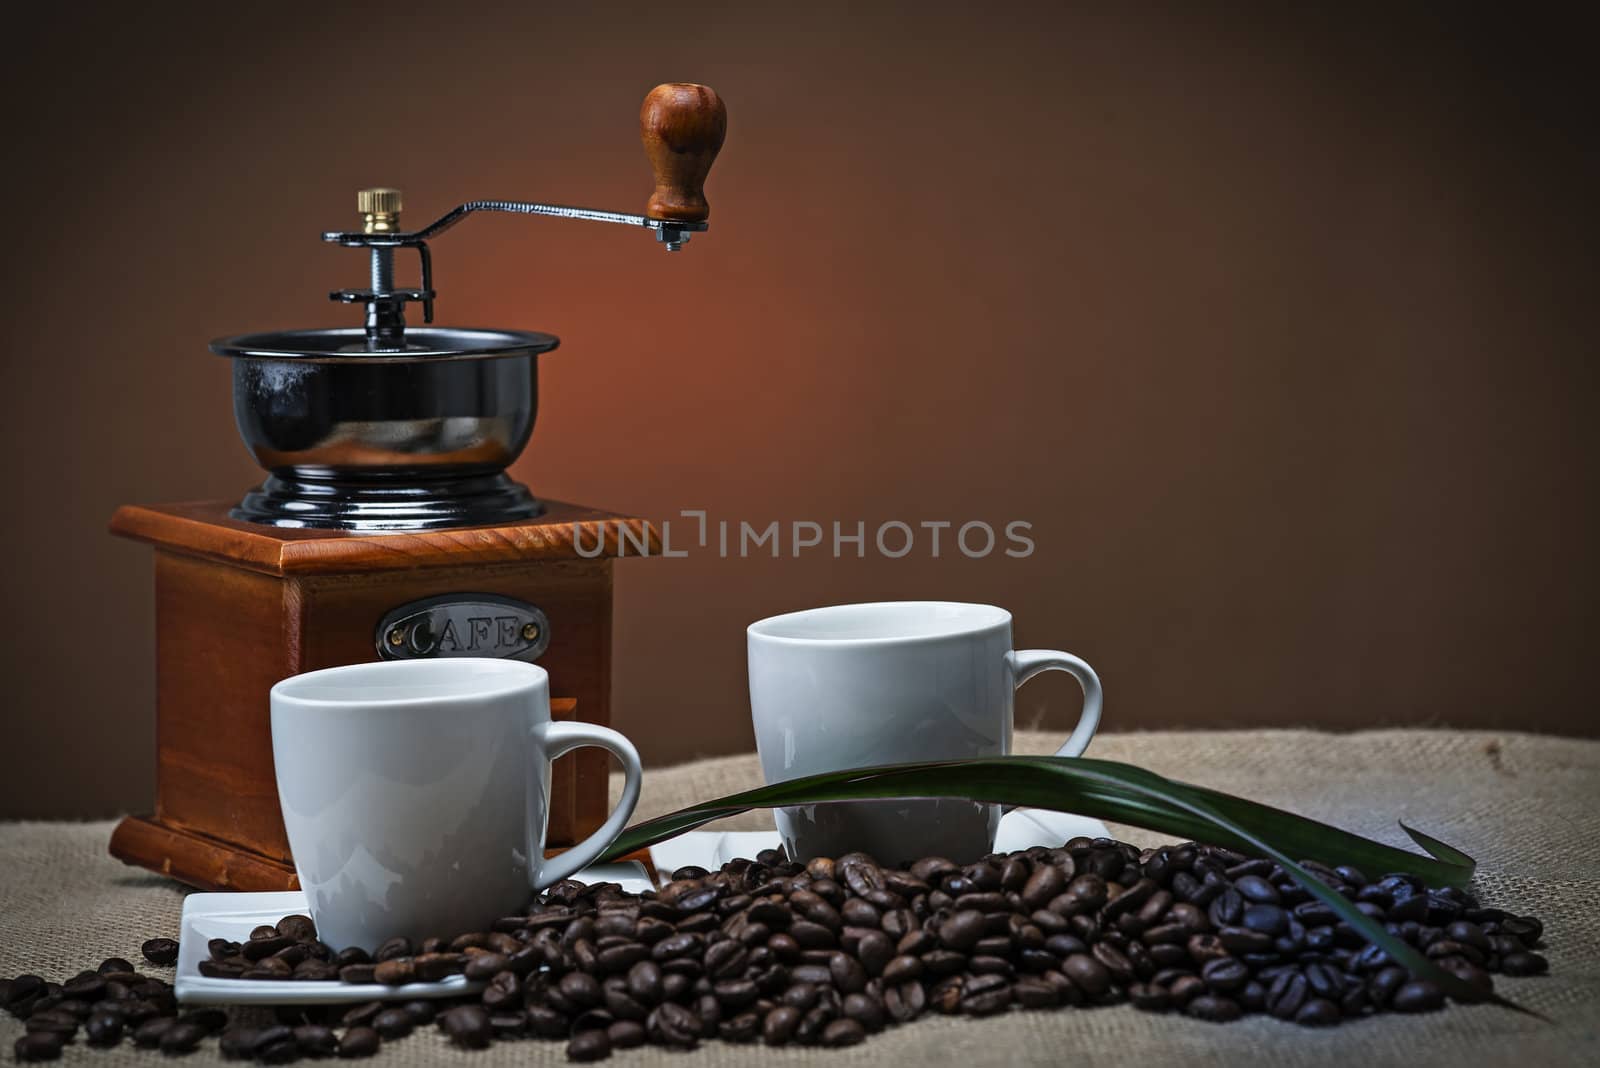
682, 126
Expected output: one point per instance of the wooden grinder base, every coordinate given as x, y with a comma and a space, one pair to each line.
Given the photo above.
241, 606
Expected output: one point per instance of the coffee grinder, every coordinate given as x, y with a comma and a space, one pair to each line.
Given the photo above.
387, 528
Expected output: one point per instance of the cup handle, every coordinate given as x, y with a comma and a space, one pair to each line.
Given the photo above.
562, 738
1026, 663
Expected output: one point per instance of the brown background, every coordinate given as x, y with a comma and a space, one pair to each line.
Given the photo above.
1277, 328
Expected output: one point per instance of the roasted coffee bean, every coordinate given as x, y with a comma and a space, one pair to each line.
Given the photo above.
1324, 980
812, 1023
984, 995
670, 1024
1114, 960
674, 986
503, 992
1524, 963
1287, 994
395, 971
1526, 929
1267, 919
987, 965
1065, 945
865, 1010
1035, 994
508, 1024
90, 986
1382, 986
858, 912
904, 1001
361, 1015
394, 947
621, 957
626, 1034
1087, 974
359, 1042
482, 967
811, 935
590, 1045
103, 1029
38, 1046
1046, 882
258, 949
481, 939
1255, 888
780, 1025
271, 968
53, 1019
266, 1038
136, 1011
238, 1042
316, 970
543, 1021
160, 950
675, 946
902, 969
843, 1032
736, 994
467, 1026
392, 1023
432, 967
1318, 1012
1467, 972
992, 946
1417, 996
745, 1027
1213, 1008
298, 927
1224, 975
1149, 997
848, 974
725, 959
861, 874
211, 1021
961, 930
23, 989
581, 989
875, 951
150, 1031
315, 1040
801, 996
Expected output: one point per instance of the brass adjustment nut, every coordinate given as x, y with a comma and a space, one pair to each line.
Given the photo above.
380, 210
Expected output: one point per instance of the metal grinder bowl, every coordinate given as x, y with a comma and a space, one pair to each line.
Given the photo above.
410, 439
391, 428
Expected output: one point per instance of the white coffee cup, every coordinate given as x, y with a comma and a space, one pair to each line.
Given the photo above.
415, 793
861, 684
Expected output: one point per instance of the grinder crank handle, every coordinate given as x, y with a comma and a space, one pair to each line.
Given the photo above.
682, 126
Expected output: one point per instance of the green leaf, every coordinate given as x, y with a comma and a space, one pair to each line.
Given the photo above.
1125, 794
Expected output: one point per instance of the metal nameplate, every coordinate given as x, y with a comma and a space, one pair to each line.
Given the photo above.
464, 624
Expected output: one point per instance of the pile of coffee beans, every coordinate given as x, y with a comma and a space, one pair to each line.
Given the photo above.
828, 952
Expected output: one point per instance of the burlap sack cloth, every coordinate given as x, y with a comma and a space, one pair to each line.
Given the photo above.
1524, 805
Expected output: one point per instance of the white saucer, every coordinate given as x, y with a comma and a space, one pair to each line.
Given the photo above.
233, 916
1021, 828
